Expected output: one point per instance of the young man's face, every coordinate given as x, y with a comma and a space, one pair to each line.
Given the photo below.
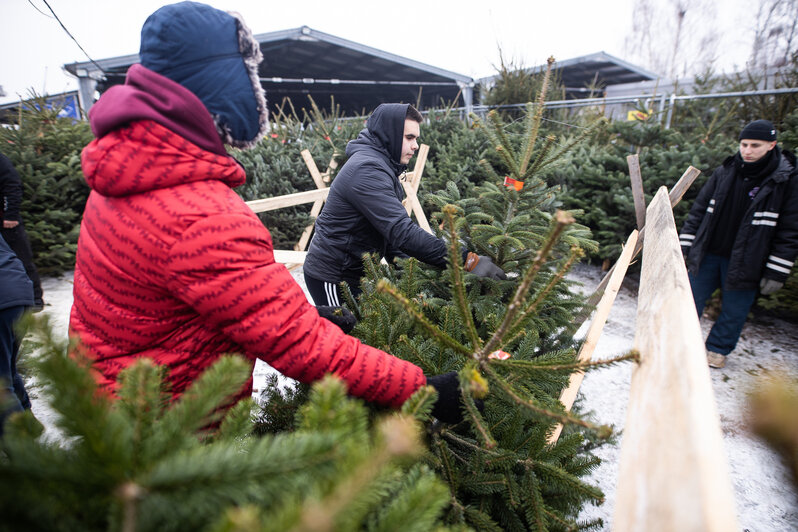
752, 150
410, 140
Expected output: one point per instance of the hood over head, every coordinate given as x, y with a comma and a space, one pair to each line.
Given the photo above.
387, 125
214, 55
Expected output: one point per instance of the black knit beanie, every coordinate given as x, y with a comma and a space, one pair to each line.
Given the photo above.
759, 130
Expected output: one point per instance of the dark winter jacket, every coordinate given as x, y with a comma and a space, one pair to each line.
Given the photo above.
10, 190
364, 211
766, 243
16, 289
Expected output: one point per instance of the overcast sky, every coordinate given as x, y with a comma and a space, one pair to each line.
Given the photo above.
462, 36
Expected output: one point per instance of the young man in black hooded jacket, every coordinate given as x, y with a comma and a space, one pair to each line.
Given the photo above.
364, 211
742, 233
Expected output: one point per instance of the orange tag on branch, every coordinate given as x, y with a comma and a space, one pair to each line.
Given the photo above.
510, 182
499, 355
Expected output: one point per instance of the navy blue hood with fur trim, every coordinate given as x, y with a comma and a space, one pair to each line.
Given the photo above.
214, 55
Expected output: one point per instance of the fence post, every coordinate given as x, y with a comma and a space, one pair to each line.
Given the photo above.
673, 474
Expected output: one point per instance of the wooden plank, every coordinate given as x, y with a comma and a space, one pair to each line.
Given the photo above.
320, 180
314, 171
675, 196
568, 395
411, 184
421, 162
285, 256
637, 190
673, 473
289, 200
413, 205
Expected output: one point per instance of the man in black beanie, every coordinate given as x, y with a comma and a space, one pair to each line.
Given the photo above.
742, 233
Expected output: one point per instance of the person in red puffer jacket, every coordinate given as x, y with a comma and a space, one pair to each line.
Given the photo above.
171, 263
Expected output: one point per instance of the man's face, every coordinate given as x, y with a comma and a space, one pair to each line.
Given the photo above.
410, 140
752, 150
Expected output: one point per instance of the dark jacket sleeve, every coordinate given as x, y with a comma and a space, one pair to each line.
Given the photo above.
10, 189
784, 248
697, 213
375, 198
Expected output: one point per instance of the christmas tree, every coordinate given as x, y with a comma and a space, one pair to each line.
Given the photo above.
510, 341
143, 462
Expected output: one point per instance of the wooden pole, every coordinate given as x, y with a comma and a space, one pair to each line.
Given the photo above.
568, 395
673, 474
411, 184
637, 190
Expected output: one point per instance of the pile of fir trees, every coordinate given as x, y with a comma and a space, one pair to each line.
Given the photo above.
45, 149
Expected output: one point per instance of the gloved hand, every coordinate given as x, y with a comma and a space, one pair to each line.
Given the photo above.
449, 406
768, 286
340, 316
483, 266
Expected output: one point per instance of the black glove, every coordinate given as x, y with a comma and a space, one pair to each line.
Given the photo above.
449, 406
340, 316
482, 266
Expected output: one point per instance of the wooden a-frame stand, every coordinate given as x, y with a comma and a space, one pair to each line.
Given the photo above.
296, 257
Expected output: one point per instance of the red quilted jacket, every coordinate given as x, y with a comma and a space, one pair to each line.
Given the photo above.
173, 265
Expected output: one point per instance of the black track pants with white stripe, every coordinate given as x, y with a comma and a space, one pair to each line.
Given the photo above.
324, 293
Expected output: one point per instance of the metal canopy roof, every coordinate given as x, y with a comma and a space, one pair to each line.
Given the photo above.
598, 70
302, 61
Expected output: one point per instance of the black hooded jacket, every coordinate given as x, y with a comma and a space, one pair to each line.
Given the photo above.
765, 244
10, 191
364, 211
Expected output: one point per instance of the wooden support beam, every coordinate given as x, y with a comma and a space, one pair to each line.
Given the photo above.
637, 190
289, 200
673, 473
568, 395
411, 183
318, 178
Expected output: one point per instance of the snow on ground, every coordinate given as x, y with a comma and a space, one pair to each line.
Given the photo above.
765, 495
766, 498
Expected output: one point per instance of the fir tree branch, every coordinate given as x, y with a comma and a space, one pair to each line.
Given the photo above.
537, 507
478, 386
398, 438
541, 156
349, 299
564, 418
502, 143
489, 168
536, 119
405, 340
576, 366
566, 478
568, 147
385, 287
458, 285
446, 465
562, 219
575, 254
567, 525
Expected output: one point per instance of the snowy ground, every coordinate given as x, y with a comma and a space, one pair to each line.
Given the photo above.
766, 497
